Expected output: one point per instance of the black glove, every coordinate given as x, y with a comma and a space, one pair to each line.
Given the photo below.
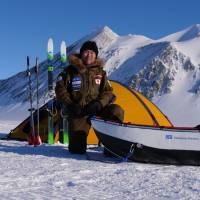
93, 108
74, 109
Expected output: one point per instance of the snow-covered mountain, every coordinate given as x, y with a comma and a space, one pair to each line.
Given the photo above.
184, 35
166, 70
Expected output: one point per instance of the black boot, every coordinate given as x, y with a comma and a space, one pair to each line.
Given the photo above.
77, 142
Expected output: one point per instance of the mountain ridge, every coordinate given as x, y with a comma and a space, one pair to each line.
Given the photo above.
154, 67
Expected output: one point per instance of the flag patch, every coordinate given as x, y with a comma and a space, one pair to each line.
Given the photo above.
98, 81
76, 83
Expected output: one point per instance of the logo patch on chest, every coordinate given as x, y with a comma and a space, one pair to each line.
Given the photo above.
76, 83
98, 78
98, 81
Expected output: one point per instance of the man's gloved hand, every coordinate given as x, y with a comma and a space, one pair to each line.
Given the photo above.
74, 109
93, 108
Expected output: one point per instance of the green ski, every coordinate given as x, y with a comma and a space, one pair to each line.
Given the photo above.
50, 91
63, 57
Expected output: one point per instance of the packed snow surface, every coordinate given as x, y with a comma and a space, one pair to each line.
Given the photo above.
51, 172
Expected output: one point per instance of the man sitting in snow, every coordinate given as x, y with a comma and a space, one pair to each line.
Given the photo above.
85, 91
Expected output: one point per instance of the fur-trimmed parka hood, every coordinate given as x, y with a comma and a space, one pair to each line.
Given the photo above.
76, 62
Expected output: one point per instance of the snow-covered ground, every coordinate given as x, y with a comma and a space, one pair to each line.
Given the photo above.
51, 172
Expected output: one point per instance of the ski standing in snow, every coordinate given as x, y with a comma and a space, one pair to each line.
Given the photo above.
63, 57
50, 91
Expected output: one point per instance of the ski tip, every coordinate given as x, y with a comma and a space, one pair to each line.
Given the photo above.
63, 52
50, 40
63, 47
63, 43
50, 45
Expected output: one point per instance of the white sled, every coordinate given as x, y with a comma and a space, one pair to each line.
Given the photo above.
156, 144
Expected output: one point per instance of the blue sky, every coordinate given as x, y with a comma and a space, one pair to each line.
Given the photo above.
26, 25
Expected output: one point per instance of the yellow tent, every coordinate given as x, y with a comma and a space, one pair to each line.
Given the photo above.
138, 110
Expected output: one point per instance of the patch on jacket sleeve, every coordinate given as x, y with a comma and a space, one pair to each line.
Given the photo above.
76, 83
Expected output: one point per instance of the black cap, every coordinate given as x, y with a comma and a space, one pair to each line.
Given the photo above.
89, 45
